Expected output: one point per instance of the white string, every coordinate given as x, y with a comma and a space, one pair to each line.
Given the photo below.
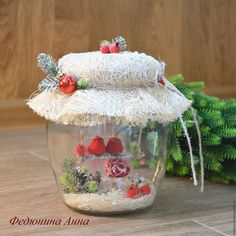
139, 139
190, 149
200, 148
155, 144
35, 93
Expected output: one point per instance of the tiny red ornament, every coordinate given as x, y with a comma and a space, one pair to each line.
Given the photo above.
114, 146
104, 48
145, 189
116, 167
67, 84
161, 82
80, 150
115, 48
97, 146
133, 191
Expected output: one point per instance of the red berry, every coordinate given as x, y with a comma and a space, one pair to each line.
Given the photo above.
104, 48
114, 146
145, 189
115, 48
80, 150
97, 146
133, 191
161, 81
67, 84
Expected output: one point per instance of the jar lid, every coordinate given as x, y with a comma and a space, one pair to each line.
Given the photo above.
127, 88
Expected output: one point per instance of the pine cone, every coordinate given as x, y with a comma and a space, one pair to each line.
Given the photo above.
81, 178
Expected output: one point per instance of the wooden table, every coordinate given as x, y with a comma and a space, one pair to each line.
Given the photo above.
28, 189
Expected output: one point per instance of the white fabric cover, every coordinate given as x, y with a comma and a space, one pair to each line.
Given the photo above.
123, 89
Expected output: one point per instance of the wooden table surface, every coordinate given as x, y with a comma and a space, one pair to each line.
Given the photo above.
28, 189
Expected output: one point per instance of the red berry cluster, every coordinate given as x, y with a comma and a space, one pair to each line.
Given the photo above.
134, 191
110, 48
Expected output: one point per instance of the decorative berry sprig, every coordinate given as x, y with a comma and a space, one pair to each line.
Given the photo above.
117, 45
55, 79
161, 81
134, 191
145, 189
50, 68
121, 41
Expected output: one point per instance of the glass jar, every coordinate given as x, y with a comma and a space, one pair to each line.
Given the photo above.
108, 169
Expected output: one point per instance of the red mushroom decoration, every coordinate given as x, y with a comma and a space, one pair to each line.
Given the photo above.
97, 146
80, 150
114, 146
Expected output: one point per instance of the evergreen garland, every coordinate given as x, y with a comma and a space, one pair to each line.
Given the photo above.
217, 121
49, 66
68, 182
68, 178
75, 179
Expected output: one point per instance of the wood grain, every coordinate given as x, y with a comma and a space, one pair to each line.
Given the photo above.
28, 189
208, 50
15, 114
26, 30
196, 38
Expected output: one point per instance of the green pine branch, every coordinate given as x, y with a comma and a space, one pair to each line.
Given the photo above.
217, 122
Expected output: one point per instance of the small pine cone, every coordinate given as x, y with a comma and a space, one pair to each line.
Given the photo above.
81, 176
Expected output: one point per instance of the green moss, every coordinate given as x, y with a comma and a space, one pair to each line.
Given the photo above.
91, 186
134, 163
134, 149
68, 182
82, 84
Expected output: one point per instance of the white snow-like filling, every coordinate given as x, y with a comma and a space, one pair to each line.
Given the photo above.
111, 202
